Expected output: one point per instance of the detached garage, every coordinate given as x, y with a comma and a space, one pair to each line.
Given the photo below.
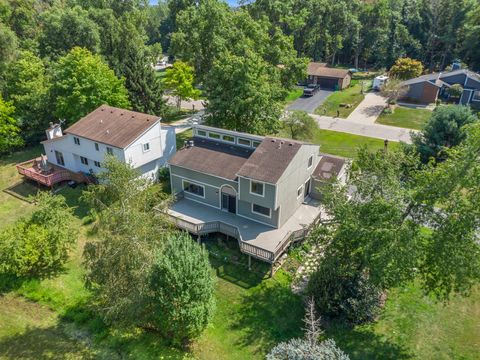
328, 78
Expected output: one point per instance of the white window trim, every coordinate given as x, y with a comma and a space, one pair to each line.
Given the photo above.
75, 139
109, 152
97, 147
95, 162
214, 133
198, 133
301, 192
473, 96
249, 142
309, 167
263, 188
257, 213
189, 193
143, 147
81, 160
228, 141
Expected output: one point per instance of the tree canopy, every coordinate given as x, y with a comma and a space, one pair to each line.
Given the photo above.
82, 82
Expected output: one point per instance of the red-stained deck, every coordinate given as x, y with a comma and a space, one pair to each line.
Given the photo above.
53, 175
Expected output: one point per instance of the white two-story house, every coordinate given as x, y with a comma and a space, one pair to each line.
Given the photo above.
136, 138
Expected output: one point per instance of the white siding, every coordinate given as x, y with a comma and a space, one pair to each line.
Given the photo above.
162, 147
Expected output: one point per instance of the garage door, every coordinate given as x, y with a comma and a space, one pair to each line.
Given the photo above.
327, 83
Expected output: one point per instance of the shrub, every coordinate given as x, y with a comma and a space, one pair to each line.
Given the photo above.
344, 293
299, 349
183, 288
38, 245
387, 111
455, 90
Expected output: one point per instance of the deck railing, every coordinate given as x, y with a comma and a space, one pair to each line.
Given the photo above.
57, 175
245, 247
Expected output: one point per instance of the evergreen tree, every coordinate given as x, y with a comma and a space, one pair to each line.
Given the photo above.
144, 88
183, 287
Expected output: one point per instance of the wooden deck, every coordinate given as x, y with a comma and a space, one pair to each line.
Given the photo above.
260, 241
54, 175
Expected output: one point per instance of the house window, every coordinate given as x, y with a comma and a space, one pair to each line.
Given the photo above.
97, 164
213, 135
76, 140
256, 188
244, 142
255, 144
97, 147
229, 138
84, 160
193, 189
260, 210
299, 191
109, 151
476, 96
59, 157
310, 162
146, 147
201, 133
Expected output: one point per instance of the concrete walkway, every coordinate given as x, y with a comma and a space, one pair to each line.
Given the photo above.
378, 131
369, 109
187, 105
185, 124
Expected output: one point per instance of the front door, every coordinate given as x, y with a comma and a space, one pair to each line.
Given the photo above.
307, 188
229, 203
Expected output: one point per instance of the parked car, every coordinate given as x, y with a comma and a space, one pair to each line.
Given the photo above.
310, 89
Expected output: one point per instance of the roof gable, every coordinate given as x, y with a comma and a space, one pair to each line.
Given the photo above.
113, 126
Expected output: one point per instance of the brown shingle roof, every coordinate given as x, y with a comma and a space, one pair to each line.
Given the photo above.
270, 160
320, 69
329, 167
213, 158
113, 126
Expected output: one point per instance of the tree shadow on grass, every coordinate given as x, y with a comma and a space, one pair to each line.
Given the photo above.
269, 314
362, 343
236, 274
43, 343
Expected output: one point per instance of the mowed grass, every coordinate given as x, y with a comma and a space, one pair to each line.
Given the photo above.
338, 101
406, 118
293, 95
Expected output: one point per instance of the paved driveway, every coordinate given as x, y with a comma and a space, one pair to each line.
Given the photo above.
369, 109
309, 104
378, 131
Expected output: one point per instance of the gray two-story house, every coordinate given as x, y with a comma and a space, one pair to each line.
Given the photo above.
257, 189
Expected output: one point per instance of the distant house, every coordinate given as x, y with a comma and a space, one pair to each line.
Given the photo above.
328, 78
260, 190
132, 137
428, 88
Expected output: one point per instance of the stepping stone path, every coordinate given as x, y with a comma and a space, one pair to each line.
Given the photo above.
304, 271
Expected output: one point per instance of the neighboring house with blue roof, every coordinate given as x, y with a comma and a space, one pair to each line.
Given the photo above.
428, 88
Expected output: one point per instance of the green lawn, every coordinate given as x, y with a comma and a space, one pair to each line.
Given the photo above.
51, 319
293, 95
344, 101
406, 118
343, 144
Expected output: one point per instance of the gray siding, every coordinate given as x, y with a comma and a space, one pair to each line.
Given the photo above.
245, 209
211, 184
454, 79
267, 200
415, 91
295, 176
473, 84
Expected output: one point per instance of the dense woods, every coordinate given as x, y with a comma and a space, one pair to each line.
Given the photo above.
276, 37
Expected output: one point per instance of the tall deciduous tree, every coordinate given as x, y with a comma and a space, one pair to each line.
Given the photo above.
28, 87
66, 28
118, 263
183, 287
9, 130
244, 94
180, 80
82, 82
299, 125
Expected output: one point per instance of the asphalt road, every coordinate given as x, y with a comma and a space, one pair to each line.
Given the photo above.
309, 104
